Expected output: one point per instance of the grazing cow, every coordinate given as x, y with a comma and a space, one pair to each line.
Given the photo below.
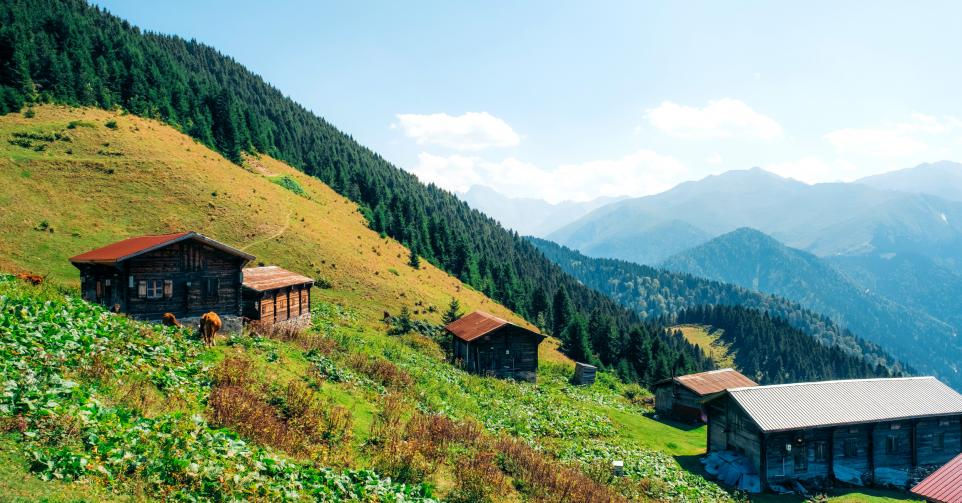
33, 279
170, 320
209, 325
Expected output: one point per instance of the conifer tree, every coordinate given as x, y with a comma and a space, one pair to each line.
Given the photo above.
453, 313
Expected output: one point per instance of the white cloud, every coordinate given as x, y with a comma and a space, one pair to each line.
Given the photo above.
469, 131
715, 158
721, 119
814, 170
900, 139
640, 173
875, 142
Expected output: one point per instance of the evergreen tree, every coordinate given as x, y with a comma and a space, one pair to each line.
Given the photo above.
576, 342
453, 313
413, 259
561, 311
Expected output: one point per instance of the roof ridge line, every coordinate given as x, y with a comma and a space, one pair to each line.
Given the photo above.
834, 381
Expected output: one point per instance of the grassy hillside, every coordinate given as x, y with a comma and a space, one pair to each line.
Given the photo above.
70, 52
78, 192
74, 175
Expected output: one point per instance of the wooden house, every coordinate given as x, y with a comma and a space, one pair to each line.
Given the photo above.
487, 345
186, 274
862, 432
682, 398
273, 295
943, 485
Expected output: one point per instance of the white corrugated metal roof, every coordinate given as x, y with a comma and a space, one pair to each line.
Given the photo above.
782, 407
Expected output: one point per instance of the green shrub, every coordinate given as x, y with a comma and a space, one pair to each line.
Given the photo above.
290, 184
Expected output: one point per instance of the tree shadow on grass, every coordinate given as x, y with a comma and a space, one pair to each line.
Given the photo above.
680, 425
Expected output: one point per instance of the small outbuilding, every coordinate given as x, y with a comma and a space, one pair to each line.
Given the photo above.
485, 344
943, 485
277, 296
683, 397
859, 432
186, 274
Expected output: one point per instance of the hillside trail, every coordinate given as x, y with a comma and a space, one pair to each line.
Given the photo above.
287, 225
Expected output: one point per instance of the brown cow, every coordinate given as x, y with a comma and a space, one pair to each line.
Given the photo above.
33, 279
209, 325
170, 320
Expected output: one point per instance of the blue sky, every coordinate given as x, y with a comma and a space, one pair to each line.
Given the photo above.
566, 100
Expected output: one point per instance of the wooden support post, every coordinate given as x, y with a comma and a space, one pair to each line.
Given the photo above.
831, 456
871, 452
274, 295
763, 462
288, 304
914, 443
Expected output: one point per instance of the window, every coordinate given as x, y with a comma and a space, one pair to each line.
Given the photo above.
168, 288
821, 451
892, 444
155, 288
938, 441
211, 287
851, 447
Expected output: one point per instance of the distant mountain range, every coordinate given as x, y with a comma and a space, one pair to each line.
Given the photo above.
824, 219
943, 179
881, 256
529, 216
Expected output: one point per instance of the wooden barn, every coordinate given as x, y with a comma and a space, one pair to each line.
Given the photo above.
273, 295
487, 345
943, 485
862, 432
683, 397
187, 274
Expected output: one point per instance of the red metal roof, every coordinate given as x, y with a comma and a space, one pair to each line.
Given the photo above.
131, 247
474, 325
944, 485
272, 277
706, 383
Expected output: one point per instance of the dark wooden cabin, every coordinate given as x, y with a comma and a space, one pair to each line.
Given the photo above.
187, 274
682, 398
274, 295
862, 432
487, 345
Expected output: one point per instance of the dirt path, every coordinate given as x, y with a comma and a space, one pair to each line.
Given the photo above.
287, 225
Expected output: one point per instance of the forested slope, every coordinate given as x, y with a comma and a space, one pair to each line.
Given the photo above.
66, 51
658, 293
756, 261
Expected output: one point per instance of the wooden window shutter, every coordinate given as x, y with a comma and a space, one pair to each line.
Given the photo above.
142, 289
100, 289
168, 288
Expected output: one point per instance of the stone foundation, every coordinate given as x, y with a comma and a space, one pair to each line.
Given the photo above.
229, 324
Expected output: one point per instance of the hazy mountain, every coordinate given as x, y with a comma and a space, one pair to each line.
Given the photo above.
824, 219
911, 280
943, 179
529, 216
751, 259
